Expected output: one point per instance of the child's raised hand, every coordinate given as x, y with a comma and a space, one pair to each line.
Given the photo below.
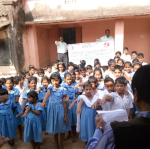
66, 120
39, 89
71, 105
79, 111
19, 114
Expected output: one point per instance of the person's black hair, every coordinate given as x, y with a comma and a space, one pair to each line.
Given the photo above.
107, 30
135, 61
40, 71
96, 60
31, 79
76, 66
134, 52
97, 64
55, 75
88, 67
49, 66
3, 81
44, 78
116, 57
125, 48
121, 61
82, 69
82, 63
127, 63
55, 63
141, 83
87, 84
11, 79
121, 80
31, 67
67, 74
93, 80
76, 70
108, 79
3, 91
110, 62
73, 73
98, 69
70, 64
0, 86
17, 79
140, 55
36, 69
118, 52
62, 63
33, 94
117, 67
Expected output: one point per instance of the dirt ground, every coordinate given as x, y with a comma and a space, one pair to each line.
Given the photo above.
48, 143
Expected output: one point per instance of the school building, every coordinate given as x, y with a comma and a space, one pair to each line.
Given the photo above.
36, 24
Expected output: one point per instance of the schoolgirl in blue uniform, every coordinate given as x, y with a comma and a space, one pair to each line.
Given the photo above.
87, 123
61, 68
72, 94
7, 121
33, 126
14, 94
57, 119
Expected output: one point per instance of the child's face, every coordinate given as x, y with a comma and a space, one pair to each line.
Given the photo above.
32, 85
70, 68
120, 63
31, 99
98, 75
68, 80
125, 51
55, 82
36, 72
61, 68
32, 71
41, 74
22, 81
133, 56
88, 90
116, 59
55, 66
120, 87
118, 55
109, 86
94, 85
111, 67
136, 67
27, 76
45, 83
117, 73
77, 75
73, 78
83, 73
97, 66
127, 68
49, 70
9, 84
141, 59
89, 71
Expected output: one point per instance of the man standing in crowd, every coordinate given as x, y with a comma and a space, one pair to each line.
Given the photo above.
107, 36
62, 51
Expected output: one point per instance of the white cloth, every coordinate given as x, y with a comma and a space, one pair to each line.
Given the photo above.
48, 74
61, 47
126, 57
88, 104
110, 74
53, 70
80, 87
118, 103
25, 84
105, 38
144, 63
21, 94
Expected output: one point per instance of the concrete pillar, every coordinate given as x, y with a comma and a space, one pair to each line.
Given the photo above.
119, 35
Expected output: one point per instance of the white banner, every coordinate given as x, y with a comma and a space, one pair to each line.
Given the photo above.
90, 51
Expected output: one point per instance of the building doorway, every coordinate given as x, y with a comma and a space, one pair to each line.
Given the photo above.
69, 35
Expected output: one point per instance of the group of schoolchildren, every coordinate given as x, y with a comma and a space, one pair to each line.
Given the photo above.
60, 100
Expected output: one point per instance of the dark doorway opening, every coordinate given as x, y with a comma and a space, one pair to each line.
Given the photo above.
69, 35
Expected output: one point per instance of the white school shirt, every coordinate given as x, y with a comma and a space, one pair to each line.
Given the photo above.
25, 84
111, 75
53, 70
126, 57
144, 63
48, 74
80, 87
61, 47
118, 103
21, 94
105, 38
